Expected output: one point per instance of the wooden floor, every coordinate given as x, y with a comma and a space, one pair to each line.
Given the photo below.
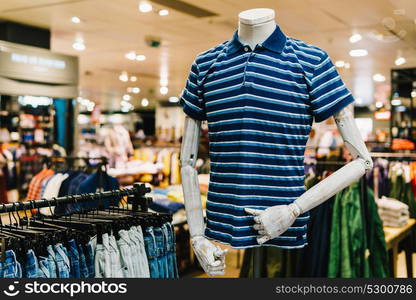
233, 270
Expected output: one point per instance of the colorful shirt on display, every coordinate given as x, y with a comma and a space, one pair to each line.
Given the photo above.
259, 105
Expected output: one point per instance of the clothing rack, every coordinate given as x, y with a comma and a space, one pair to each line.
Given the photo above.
136, 195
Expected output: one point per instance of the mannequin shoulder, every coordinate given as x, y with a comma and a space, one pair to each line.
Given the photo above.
211, 55
304, 50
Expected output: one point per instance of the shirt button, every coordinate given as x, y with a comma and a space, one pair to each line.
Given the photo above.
246, 49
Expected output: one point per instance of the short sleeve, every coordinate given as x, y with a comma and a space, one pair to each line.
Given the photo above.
328, 93
191, 100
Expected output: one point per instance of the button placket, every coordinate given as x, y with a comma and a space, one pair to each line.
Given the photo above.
245, 65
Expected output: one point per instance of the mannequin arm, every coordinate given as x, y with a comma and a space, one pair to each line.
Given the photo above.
275, 220
211, 257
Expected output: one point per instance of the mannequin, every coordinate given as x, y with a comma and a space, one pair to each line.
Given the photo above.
255, 27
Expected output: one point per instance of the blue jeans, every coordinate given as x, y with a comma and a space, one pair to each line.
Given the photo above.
173, 266
89, 259
12, 268
151, 252
102, 258
83, 269
43, 271
31, 265
124, 246
161, 252
73, 256
51, 262
62, 261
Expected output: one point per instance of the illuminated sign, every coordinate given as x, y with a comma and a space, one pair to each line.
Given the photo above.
38, 61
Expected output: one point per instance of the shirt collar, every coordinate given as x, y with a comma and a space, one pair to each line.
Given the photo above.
275, 42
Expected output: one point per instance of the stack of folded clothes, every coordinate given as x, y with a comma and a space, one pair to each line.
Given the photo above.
392, 212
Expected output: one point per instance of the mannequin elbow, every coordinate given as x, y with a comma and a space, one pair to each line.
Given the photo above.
368, 164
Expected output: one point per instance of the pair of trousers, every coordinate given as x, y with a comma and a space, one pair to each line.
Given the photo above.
143, 263
51, 262
63, 266
12, 268
43, 271
31, 269
172, 262
89, 252
73, 256
151, 252
102, 258
124, 246
115, 262
161, 252
83, 269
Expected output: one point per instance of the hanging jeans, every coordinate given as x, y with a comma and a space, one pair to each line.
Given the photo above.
144, 264
171, 249
43, 271
116, 271
134, 249
62, 261
51, 262
90, 259
102, 258
151, 251
73, 256
161, 252
12, 268
123, 244
31, 266
83, 269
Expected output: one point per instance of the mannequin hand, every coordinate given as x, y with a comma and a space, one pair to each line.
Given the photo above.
211, 257
273, 221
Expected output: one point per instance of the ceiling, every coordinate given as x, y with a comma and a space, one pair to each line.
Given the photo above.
110, 29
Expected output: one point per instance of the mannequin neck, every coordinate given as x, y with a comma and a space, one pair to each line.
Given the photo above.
255, 28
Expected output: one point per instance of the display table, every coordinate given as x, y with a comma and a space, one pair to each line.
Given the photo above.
393, 236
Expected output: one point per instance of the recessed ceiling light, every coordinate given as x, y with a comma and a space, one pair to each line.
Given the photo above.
358, 52
131, 55
163, 12
340, 63
75, 20
135, 90
140, 57
413, 94
145, 7
123, 77
400, 61
173, 99
129, 90
164, 90
126, 97
396, 102
356, 37
79, 46
145, 102
379, 77
379, 104
133, 78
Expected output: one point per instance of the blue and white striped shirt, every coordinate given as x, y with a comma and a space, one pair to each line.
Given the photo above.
259, 105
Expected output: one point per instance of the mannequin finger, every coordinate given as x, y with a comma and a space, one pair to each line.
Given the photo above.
257, 220
218, 269
262, 239
254, 212
220, 273
258, 227
262, 232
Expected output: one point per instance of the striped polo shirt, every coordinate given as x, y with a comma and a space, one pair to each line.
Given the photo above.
259, 104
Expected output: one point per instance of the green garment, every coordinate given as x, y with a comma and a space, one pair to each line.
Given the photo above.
357, 244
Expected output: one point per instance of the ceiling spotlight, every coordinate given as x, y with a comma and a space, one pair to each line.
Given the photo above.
133, 78
399, 61
140, 57
126, 97
129, 90
163, 12
145, 7
355, 38
358, 52
145, 102
164, 90
396, 102
123, 77
379, 78
379, 104
131, 55
173, 99
340, 63
75, 20
135, 90
79, 46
